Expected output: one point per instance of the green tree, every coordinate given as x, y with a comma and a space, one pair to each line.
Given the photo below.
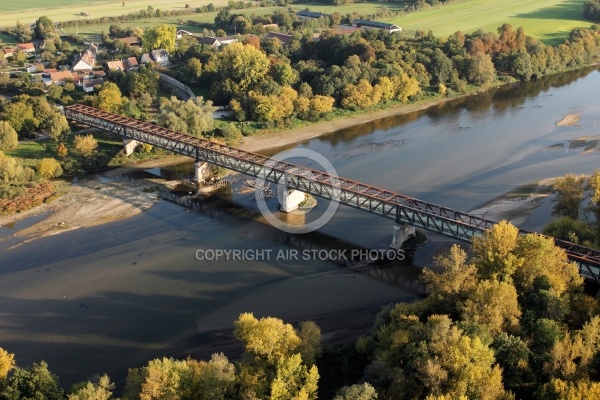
23, 32
102, 390
8, 136
591, 10
494, 305
357, 392
193, 117
35, 382
481, 70
162, 378
212, 380
57, 126
594, 186
191, 70
43, 27
20, 116
569, 192
160, 37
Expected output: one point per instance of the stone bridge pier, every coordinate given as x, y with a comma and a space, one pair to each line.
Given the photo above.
201, 171
129, 145
402, 232
289, 199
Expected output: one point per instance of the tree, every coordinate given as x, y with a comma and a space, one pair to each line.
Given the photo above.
492, 304
493, 253
239, 69
569, 194
591, 10
62, 150
267, 338
191, 70
109, 98
310, 342
193, 116
481, 70
160, 37
102, 390
162, 379
49, 168
594, 186
84, 145
43, 27
212, 380
57, 126
441, 67
35, 382
23, 32
20, 116
8, 136
145, 81
357, 392
455, 279
7, 362
293, 380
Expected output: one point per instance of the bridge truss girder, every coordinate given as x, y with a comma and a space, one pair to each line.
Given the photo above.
455, 224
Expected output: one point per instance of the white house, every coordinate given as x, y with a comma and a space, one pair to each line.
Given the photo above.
160, 57
86, 60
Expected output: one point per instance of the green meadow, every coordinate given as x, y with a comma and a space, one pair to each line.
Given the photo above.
549, 20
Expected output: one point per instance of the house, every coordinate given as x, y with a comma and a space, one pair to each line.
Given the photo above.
181, 33
131, 40
311, 15
345, 30
33, 68
124, 65
284, 38
87, 60
216, 42
362, 23
90, 84
26, 47
59, 77
8, 52
270, 27
160, 57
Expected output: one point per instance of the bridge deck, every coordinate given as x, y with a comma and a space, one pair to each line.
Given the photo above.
396, 206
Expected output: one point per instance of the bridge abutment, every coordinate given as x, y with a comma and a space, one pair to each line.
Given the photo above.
129, 145
201, 171
402, 232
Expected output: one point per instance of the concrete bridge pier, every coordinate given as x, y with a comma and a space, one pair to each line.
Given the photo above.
289, 200
129, 145
402, 232
201, 171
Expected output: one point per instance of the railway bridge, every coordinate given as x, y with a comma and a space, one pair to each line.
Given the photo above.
403, 210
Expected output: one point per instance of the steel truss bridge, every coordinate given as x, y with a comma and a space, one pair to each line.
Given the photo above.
398, 207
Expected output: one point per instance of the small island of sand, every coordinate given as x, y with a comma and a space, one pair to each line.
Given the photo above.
569, 120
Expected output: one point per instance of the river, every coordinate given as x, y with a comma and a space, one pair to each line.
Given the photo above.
105, 298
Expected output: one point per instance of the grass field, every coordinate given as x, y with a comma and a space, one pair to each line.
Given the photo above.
64, 10
548, 20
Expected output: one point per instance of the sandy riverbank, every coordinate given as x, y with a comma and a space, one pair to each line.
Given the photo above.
274, 140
